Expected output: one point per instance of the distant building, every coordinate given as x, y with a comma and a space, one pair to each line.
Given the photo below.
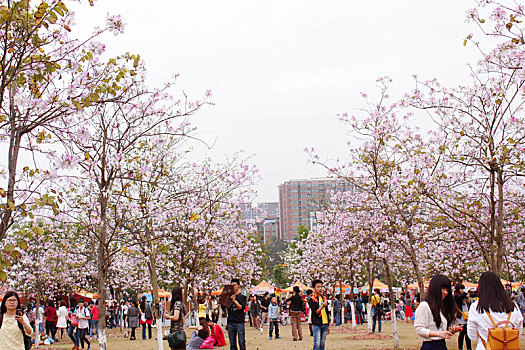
270, 208
268, 228
299, 198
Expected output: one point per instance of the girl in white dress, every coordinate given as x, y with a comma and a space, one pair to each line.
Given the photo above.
62, 322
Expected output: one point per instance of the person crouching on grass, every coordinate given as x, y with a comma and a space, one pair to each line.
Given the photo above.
434, 316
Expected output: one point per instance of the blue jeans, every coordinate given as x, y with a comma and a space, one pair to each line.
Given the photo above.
359, 316
236, 330
376, 317
94, 324
144, 325
72, 332
41, 327
320, 333
337, 317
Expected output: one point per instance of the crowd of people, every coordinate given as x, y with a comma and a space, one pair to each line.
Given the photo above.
447, 310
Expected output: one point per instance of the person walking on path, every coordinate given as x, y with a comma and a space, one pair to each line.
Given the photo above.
236, 317
434, 316
377, 311
320, 316
296, 309
273, 315
133, 319
359, 310
337, 311
146, 317
264, 308
255, 311
462, 304
50, 313
309, 293
72, 330
93, 308
62, 319
494, 306
14, 326
84, 316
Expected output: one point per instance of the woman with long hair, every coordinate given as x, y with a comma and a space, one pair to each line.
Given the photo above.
62, 319
494, 302
14, 325
199, 335
435, 315
176, 314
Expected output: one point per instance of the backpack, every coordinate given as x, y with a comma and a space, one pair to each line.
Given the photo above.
148, 314
499, 338
28, 342
359, 305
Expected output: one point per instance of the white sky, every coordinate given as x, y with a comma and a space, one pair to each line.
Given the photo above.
280, 71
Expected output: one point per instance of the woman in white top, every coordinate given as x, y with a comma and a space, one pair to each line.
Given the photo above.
434, 316
494, 299
14, 325
62, 322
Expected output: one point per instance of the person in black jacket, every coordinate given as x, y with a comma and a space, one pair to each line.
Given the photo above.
320, 316
236, 317
296, 309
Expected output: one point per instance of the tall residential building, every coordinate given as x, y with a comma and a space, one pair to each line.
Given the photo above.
299, 198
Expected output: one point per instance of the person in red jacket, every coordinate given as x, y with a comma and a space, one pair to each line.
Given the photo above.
50, 313
216, 332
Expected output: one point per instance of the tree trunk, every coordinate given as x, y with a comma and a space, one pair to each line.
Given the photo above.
195, 307
102, 267
395, 332
37, 322
370, 274
14, 148
499, 225
155, 295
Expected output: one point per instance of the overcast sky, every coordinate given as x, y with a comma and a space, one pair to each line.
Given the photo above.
280, 71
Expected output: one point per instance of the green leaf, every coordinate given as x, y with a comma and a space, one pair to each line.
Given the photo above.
22, 245
9, 248
3, 276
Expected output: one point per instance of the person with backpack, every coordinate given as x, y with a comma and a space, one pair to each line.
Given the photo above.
377, 311
72, 319
435, 315
359, 310
146, 317
15, 331
83, 316
494, 315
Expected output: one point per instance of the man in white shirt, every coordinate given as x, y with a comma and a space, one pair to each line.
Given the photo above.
84, 316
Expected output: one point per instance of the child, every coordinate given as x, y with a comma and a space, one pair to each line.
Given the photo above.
273, 315
202, 307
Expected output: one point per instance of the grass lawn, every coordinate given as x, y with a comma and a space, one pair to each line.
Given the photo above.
339, 338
